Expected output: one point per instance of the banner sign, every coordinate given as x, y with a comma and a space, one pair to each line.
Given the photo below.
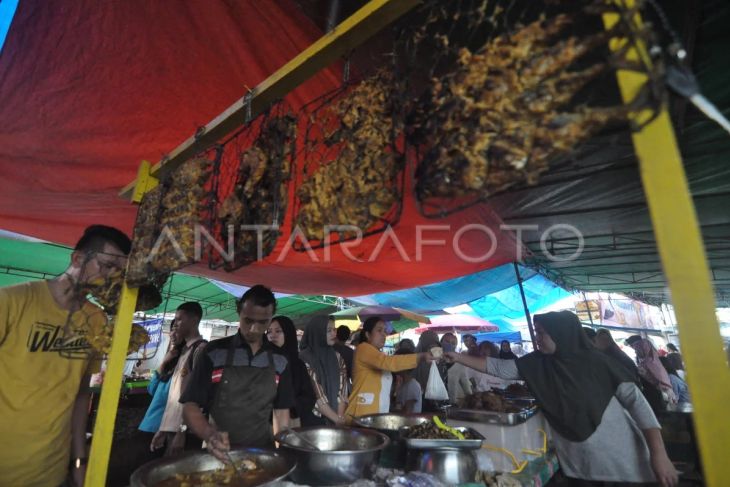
154, 330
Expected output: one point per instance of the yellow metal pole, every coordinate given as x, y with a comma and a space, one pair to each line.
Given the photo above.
101, 443
145, 181
680, 245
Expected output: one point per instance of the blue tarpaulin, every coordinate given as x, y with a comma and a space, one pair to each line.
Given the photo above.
539, 293
498, 336
453, 292
7, 11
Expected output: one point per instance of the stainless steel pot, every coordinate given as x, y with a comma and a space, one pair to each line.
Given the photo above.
390, 423
394, 456
345, 454
276, 466
452, 461
451, 466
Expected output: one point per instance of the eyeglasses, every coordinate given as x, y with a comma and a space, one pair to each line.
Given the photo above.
112, 265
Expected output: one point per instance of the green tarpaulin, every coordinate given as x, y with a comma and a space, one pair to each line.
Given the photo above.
21, 261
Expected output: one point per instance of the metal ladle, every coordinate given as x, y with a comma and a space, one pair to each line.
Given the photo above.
233, 463
302, 439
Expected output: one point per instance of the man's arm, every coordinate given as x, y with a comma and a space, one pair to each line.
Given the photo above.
195, 419
409, 406
476, 363
79, 421
282, 419
341, 408
216, 442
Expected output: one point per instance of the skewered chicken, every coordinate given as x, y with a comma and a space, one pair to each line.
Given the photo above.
99, 335
500, 117
145, 235
260, 194
360, 185
164, 236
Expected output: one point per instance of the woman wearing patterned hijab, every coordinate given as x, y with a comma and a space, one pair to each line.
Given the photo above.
651, 368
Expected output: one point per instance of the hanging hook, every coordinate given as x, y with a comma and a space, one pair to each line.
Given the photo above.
346, 71
247, 101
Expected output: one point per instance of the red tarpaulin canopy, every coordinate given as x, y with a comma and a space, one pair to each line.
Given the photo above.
89, 89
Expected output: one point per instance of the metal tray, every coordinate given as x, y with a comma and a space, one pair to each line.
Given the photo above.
438, 444
529, 401
515, 398
493, 417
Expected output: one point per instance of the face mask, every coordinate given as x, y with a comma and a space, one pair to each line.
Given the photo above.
448, 347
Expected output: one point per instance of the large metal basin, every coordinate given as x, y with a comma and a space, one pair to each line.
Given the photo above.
390, 423
451, 466
346, 454
394, 456
276, 466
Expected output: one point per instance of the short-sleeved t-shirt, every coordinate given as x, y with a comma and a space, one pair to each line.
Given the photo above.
409, 391
208, 370
43, 358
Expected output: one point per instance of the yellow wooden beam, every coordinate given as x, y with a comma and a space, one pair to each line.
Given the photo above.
145, 182
685, 265
101, 442
352, 32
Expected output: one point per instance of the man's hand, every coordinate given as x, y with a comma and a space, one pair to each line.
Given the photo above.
170, 355
158, 441
666, 474
218, 445
425, 357
177, 445
451, 357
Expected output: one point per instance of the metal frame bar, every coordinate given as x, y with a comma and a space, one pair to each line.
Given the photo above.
622, 206
524, 305
679, 241
101, 443
588, 309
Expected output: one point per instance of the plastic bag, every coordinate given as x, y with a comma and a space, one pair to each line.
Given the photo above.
415, 479
435, 387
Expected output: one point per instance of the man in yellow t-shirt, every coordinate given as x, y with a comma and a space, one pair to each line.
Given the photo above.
45, 362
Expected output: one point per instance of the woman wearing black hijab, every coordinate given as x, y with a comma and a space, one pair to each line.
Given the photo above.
505, 351
585, 399
283, 334
327, 371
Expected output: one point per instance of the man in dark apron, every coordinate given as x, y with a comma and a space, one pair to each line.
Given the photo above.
238, 381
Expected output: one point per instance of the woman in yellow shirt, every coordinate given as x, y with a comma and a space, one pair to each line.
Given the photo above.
371, 371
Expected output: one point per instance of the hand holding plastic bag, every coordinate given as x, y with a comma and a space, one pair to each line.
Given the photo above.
435, 387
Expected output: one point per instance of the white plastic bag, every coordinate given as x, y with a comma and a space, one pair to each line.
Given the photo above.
435, 387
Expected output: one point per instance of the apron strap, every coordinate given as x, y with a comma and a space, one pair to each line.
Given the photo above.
271, 360
231, 352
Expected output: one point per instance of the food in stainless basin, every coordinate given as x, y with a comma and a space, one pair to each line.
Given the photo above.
244, 474
490, 401
256, 467
429, 431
